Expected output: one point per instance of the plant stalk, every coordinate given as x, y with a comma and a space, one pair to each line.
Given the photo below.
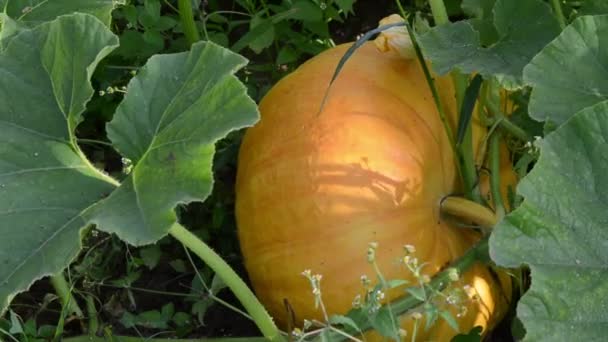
557, 7
187, 18
464, 152
439, 282
92, 315
257, 311
469, 210
499, 206
440, 14
515, 130
62, 288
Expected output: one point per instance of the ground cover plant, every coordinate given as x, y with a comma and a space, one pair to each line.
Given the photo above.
146, 192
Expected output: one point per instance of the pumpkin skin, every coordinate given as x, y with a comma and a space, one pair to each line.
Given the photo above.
315, 188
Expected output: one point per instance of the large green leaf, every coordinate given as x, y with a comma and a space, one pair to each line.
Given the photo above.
571, 72
483, 19
16, 15
594, 7
44, 181
38, 11
524, 27
561, 232
174, 111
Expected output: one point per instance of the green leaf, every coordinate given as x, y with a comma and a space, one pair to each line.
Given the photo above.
591, 7
306, 10
149, 16
449, 318
133, 45
167, 311
129, 12
418, 293
346, 6
391, 284
265, 37
559, 231
473, 336
524, 27
16, 327
571, 72
174, 111
154, 39
181, 319
483, 19
259, 30
217, 284
23, 14
45, 182
385, 324
151, 255
8, 29
38, 11
345, 321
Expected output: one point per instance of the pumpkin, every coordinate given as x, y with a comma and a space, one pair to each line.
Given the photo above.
315, 187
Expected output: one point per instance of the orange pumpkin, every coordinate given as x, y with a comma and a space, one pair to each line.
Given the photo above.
314, 188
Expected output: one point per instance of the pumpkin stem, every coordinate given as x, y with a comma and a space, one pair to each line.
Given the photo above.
257, 311
495, 174
185, 14
64, 291
469, 210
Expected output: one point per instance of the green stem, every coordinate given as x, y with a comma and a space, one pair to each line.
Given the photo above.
464, 152
189, 26
440, 14
469, 210
62, 288
499, 206
513, 129
504, 122
467, 168
257, 311
430, 81
92, 313
559, 13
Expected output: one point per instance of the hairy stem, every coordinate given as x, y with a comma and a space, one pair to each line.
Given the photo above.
429, 79
464, 152
187, 18
92, 315
468, 171
257, 311
440, 14
499, 206
557, 7
469, 210
63, 290
513, 129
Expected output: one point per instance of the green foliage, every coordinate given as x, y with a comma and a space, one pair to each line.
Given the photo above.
33, 12
559, 232
582, 49
41, 158
521, 28
129, 65
38, 165
174, 112
147, 30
